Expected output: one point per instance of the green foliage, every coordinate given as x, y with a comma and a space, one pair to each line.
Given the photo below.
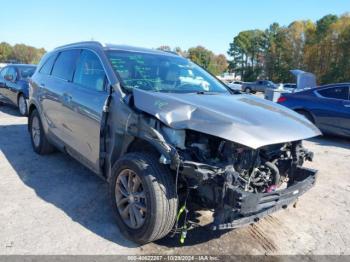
20, 53
5, 51
246, 51
321, 48
164, 48
215, 64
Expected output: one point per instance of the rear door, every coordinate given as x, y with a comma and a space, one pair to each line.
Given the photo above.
88, 95
333, 109
55, 96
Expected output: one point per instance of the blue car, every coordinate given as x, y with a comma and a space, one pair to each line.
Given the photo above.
328, 107
14, 85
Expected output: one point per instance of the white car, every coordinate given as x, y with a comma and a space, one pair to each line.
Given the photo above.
235, 85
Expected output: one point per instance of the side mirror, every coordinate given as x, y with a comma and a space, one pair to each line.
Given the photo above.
9, 78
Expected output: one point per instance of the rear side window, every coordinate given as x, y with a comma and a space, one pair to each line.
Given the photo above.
47, 66
89, 72
65, 64
339, 92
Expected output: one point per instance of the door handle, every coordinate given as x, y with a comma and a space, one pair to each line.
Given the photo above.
348, 105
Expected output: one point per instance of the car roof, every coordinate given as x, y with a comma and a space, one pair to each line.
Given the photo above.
328, 85
335, 84
98, 45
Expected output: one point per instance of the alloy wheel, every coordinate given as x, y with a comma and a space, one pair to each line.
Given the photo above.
130, 198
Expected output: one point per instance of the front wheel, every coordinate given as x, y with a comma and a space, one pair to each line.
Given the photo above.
143, 197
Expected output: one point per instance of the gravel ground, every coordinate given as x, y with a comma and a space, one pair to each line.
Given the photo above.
53, 205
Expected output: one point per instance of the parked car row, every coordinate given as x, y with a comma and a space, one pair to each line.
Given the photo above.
14, 80
258, 86
251, 87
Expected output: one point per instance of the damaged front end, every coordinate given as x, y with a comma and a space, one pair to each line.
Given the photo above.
241, 165
241, 184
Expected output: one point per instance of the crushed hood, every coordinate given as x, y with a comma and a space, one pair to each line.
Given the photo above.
244, 119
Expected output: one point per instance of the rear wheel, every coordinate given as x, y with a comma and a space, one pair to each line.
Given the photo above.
22, 105
38, 137
143, 197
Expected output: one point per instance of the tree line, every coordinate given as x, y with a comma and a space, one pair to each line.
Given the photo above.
20, 53
322, 48
215, 64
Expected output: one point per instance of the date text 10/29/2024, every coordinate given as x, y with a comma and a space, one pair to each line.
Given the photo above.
173, 258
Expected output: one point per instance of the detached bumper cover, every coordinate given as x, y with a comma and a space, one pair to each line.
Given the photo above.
246, 208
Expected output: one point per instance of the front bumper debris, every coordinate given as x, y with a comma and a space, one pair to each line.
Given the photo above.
242, 208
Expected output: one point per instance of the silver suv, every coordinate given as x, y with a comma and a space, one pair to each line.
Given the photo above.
169, 138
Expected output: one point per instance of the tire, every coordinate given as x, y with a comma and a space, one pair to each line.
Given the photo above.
37, 135
248, 90
22, 105
157, 197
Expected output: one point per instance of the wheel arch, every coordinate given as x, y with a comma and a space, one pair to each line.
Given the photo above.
141, 145
130, 145
307, 111
19, 94
31, 108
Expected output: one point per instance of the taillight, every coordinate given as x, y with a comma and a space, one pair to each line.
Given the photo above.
281, 99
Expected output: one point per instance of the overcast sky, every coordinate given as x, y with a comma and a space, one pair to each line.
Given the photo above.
151, 23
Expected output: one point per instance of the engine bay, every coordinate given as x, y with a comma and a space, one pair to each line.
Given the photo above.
264, 170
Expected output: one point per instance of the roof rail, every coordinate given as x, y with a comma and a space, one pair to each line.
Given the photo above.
170, 52
78, 43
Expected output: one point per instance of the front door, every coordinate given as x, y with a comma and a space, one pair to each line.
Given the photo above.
87, 97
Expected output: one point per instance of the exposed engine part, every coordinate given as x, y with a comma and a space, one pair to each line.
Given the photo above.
175, 137
264, 170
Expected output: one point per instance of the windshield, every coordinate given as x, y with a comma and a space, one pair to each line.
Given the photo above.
26, 71
162, 73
